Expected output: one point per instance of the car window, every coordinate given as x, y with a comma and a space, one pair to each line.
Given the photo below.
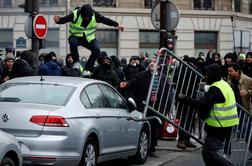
85, 100
115, 100
95, 96
53, 94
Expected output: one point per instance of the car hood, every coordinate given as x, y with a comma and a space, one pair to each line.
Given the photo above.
15, 117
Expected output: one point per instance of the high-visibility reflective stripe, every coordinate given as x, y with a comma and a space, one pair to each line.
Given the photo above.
76, 28
80, 28
224, 108
224, 118
91, 33
77, 33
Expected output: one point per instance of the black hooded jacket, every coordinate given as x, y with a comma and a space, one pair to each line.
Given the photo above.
205, 103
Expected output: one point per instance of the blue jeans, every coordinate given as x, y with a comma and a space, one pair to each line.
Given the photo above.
93, 46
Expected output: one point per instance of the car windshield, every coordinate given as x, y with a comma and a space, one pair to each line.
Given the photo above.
53, 94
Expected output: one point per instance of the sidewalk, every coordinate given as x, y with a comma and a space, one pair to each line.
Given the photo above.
168, 151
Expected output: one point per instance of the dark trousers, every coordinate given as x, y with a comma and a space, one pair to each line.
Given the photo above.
210, 153
93, 46
186, 121
155, 131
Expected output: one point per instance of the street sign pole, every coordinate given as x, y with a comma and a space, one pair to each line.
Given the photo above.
163, 34
35, 40
164, 18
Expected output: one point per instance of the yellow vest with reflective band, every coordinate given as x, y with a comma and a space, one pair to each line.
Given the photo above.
224, 114
75, 28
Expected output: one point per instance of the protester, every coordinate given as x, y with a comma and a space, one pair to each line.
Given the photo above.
68, 70
8, 64
105, 72
23, 66
49, 67
242, 83
83, 24
218, 108
141, 85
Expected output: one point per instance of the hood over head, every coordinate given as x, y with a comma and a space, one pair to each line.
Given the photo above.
115, 61
213, 73
86, 11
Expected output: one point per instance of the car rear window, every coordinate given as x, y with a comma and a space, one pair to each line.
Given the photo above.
53, 94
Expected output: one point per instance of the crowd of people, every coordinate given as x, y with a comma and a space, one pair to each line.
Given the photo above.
129, 78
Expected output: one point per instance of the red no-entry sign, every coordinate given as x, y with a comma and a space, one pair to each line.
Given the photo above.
40, 26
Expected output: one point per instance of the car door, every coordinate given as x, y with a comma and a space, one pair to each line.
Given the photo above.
107, 119
129, 129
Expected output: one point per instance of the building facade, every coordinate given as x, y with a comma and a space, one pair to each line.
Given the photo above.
217, 25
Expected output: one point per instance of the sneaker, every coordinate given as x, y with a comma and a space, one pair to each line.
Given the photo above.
181, 145
86, 73
154, 154
189, 144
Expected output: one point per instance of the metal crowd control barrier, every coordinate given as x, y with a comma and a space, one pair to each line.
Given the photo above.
174, 76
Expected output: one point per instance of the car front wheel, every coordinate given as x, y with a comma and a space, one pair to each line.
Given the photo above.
89, 156
142, 152
8, 162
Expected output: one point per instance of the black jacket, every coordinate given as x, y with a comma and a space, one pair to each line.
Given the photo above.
107, 75
21, 69
141, 84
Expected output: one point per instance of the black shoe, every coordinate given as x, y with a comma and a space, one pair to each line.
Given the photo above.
190, 144
154, 154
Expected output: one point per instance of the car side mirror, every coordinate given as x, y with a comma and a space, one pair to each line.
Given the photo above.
131, 104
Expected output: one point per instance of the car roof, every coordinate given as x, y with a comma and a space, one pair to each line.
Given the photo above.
62, 80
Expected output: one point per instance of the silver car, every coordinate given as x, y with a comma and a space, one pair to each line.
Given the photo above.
10, 154
71, 121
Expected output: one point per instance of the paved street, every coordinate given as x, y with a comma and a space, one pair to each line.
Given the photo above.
170, 155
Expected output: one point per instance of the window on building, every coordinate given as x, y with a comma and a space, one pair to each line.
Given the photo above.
148, 42
52, 41
203, 4
108, 40
250, 7
205, 41
242, 41
104, 3
5, 3
237, 5
6, 38
48, 3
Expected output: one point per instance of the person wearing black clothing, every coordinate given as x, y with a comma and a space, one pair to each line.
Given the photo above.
205, 105
247, 68
22, 66
105, 72
141, 84
185, 113
83, 24
130, 71
68, 70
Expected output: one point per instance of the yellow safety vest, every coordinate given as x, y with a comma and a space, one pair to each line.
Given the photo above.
224, 114
75, 28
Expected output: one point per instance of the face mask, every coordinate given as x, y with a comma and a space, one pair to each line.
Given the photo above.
134, 64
